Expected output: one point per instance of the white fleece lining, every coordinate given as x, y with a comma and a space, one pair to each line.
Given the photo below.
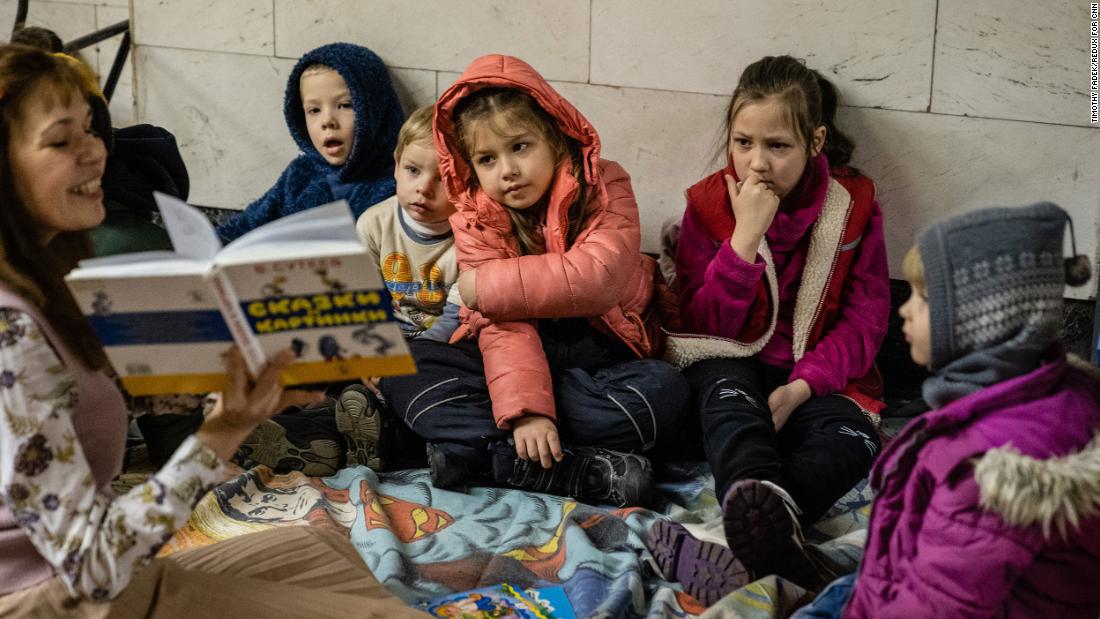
825, 241
1056, 493
685, 349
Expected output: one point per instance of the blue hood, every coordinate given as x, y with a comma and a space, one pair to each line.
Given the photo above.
378, 113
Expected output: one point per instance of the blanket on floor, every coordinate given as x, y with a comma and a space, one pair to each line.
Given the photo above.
422, 542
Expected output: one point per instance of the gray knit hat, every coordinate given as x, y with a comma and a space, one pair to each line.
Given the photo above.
995, 277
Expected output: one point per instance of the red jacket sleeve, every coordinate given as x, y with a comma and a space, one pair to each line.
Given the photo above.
516, 371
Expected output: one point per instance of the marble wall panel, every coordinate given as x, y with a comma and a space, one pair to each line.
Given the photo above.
928, 166
116, 3
666, 141
878, 53
444, 35
68, 20
1017, 59
415, 87
122, 101
227, 113
240, 26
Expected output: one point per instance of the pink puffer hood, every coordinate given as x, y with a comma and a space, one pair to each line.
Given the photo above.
498, 71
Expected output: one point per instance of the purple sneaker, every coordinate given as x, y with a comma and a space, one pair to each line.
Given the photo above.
761, 523
707, 571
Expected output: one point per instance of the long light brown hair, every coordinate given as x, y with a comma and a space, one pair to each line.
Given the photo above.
810, 99
506, 109
29, 76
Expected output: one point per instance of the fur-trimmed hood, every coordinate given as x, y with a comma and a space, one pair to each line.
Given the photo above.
1055, 493
994, 501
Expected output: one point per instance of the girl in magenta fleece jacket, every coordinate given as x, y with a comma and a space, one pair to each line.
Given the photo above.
781, 268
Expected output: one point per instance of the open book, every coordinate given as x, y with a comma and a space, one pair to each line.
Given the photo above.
304, 282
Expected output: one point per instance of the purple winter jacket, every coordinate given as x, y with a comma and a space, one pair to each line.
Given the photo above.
990, 506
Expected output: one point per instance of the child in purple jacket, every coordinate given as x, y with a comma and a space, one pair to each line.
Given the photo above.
989, 504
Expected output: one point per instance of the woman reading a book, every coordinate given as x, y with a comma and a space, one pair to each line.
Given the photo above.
68, 545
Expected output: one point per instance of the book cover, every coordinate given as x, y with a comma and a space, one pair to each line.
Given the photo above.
304, 282
502, 601
331, 308
163, 333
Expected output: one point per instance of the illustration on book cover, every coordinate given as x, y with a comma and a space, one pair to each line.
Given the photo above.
320, 307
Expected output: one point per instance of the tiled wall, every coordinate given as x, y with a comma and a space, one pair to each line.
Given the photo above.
953, 104
76, 18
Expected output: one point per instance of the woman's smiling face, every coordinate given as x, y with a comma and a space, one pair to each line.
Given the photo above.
57, 162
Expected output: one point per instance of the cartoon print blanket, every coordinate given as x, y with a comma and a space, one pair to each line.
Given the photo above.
422, 542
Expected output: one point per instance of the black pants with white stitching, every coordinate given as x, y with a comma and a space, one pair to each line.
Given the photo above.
632, 405
824, 448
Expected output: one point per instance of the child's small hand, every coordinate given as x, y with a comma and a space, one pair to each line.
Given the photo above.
537, 440
754, 207
785, 399
467, 288
371, 383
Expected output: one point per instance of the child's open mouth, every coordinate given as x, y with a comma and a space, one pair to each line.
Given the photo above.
332, 146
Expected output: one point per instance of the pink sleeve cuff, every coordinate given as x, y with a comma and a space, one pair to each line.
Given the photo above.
821, 381
741, 272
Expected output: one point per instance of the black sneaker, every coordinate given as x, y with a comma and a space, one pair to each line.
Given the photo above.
589, 473
359, 419
270, 445
453, 472
761, 525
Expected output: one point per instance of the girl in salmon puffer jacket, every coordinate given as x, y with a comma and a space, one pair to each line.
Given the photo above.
554, 350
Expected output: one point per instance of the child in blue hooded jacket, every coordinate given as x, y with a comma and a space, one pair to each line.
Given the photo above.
343, 112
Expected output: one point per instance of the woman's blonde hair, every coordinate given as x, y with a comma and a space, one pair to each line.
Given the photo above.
33, 272
505, 109
913, 267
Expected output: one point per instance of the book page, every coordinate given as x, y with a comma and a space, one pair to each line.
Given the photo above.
162, 331
330, 222
172, 265
137, 256
288, 250
192, 234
